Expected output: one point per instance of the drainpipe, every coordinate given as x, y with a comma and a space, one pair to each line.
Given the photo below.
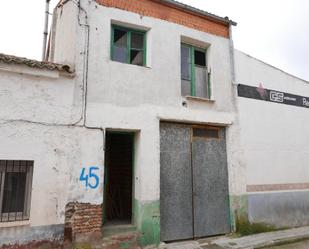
232, 55
45, 34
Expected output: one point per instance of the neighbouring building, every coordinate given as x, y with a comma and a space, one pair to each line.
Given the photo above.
145, 120
273, 112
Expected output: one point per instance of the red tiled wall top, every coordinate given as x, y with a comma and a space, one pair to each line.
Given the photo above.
169, 13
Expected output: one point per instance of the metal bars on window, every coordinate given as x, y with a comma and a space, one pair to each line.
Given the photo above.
15, 189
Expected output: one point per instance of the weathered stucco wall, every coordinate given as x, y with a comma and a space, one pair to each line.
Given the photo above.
132, 98
36, 124
119, 97
43, 120
35, 95
124, 96
59, 153
275, 137
65, 21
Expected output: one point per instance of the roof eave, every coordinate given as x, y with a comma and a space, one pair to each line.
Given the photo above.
224, 20
11, 59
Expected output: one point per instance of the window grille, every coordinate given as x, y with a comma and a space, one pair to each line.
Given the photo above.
15, 190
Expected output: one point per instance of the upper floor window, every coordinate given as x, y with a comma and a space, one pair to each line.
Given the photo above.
15, 190
128, 46
194, 74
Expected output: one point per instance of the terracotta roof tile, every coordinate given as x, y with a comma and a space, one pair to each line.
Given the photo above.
10, 59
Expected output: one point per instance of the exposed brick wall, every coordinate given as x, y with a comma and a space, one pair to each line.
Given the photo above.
82, 220
156, 9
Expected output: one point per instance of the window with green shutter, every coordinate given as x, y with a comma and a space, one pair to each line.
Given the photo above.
128, 46
195, 79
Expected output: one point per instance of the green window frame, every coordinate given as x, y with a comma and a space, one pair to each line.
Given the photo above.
195, 78
128, 45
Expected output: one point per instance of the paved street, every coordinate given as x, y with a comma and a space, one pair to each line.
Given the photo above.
265, 239
299, 245
199, 245
262, 240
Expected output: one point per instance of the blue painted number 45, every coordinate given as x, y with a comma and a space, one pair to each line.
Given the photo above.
87, 177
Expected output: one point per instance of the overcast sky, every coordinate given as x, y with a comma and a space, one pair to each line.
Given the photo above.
275, 31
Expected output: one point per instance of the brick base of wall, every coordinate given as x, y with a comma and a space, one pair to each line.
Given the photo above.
83, 221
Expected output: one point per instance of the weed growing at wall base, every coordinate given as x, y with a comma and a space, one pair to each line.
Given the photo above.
245, 227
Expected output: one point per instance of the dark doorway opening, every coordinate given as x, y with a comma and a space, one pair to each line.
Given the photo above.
118, 178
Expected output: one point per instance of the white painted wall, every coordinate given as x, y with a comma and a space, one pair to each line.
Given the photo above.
36, 124
119, 96
270, 147
129, 97
65, 20
35, 95
59, 153
275, 136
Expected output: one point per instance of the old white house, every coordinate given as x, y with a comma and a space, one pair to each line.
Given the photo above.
145, 119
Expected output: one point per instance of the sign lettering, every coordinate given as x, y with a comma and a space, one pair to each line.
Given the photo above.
269, 95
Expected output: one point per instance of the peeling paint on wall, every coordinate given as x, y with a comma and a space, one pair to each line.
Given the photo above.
26, 234
147, 220
238, 209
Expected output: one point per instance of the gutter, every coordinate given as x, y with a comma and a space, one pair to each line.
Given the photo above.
232, 55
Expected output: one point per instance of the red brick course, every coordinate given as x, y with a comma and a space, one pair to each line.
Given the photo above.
157, 9
82, 220
277, 187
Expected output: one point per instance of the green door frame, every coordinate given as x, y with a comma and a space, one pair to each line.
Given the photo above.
132, 134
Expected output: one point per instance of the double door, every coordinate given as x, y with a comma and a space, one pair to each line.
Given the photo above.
194, 199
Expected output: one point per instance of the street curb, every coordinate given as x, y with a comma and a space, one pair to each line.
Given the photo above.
264, 240
283, 242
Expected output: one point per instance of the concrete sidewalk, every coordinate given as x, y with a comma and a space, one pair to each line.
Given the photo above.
247, 242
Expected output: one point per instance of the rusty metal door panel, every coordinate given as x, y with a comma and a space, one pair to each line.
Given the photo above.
210, 183
176, 182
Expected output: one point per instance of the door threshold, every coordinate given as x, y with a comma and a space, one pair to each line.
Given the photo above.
117, 229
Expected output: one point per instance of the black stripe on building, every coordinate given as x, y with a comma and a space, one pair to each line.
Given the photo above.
274, 96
